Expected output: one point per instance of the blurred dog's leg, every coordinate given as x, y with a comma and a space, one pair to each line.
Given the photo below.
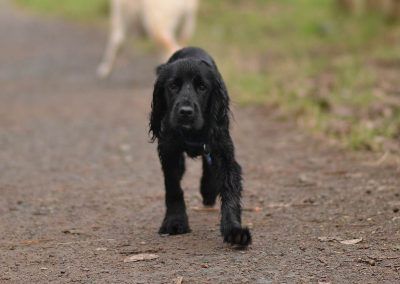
116, 39
165, 39
161, 19
169, 43
189, 24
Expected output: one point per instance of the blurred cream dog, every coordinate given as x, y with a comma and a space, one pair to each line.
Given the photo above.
161, 20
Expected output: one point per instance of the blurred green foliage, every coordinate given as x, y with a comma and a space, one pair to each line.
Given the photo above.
76, 9
333, 72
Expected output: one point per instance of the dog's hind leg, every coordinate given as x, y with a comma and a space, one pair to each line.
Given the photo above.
188, 27
208, 186
176, 220
166, 40
161, 26
117, 37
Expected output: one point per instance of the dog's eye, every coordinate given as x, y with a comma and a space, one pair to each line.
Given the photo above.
173, 87
202, 88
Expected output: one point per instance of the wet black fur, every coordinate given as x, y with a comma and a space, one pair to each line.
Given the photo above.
223, 176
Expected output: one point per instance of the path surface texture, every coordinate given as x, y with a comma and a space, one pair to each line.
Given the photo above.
81, 186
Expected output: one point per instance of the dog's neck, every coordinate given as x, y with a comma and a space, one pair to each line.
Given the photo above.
195, 144
192, 136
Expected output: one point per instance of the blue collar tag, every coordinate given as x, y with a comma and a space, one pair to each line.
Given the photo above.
207, 155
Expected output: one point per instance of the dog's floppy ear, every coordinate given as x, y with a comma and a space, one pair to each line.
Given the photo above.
158, 108
160, 68
219, 106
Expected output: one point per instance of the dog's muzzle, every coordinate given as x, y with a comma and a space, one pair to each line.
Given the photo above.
185, 116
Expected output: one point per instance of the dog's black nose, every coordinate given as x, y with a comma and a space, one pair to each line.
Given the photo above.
186, 111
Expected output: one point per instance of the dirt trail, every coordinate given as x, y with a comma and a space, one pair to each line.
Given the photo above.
81, 187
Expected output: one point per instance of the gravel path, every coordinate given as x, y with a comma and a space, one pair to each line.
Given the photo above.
81, 187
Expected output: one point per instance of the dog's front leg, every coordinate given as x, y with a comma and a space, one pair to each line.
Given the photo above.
230, 184
117, 37
173, 166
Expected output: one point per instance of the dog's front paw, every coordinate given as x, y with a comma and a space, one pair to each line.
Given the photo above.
238, 236
103, 71
175, 225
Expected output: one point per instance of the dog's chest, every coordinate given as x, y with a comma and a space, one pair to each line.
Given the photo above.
201, 150
193, 151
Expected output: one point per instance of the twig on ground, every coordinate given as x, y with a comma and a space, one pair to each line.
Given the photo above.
215, 209
382, 159
179, 280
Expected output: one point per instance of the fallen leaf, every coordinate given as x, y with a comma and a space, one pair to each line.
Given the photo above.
252, 209
278, 205
73, 232
205, 209
101, 249
344, 242
140, 257
125, 147
34, 242
306, 179
351, 242
371, 262
179, 280
214, 209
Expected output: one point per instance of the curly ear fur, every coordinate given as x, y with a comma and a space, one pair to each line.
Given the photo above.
219, 107
158, 109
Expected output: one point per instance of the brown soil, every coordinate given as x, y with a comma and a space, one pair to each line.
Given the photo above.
81, 187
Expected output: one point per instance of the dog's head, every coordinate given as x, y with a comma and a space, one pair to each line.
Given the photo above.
189, 95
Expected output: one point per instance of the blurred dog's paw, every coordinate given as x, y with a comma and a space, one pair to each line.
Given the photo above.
103, 71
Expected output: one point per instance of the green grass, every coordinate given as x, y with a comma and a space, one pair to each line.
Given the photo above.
304, 57
74, 9
312, 61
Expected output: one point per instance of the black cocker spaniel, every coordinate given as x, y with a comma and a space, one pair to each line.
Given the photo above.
190, 113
